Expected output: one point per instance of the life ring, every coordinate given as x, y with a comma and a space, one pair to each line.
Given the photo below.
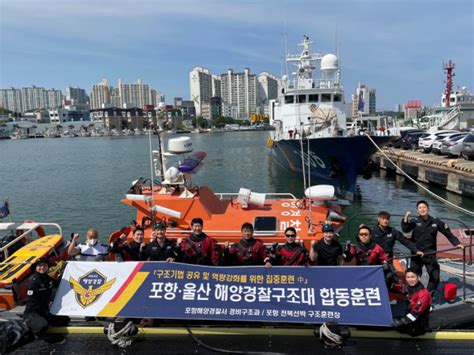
39, 230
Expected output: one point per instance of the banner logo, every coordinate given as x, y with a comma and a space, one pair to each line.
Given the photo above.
89, 287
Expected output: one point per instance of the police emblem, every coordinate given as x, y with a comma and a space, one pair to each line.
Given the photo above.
89, 287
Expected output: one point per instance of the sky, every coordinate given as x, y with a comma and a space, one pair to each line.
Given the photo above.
395, 47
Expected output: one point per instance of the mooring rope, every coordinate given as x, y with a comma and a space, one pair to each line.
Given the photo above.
439, 198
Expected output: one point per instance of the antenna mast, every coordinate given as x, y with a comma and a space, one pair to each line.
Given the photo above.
449, 69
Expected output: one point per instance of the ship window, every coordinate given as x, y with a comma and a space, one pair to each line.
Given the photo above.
313, 98
337, 98
265, 225
289, 99
301, 98
325, 97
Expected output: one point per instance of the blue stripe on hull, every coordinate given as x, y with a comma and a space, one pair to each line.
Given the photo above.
335, 161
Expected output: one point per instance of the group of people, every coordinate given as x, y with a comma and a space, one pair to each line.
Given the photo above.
374, 246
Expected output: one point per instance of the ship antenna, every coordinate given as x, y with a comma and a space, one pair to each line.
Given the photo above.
310, 219
152, 178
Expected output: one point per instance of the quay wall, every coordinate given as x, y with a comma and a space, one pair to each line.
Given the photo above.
454, 174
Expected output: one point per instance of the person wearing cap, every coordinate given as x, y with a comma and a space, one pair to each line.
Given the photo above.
291, 253
386, 236
415, 321
199, 248
248, 251
129, 251
161, 248
38, 299
327, 251
425, 230
91, 250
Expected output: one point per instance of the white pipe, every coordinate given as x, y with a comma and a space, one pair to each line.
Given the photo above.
166, 211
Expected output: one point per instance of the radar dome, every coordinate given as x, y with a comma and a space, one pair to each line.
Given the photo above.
329, 62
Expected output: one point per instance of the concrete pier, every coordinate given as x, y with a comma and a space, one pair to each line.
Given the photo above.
454, 174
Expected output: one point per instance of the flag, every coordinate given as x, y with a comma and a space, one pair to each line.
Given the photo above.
360, 105
4, 211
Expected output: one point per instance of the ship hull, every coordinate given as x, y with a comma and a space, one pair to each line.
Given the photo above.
335, 160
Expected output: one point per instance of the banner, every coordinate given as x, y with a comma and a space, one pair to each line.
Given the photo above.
349, 295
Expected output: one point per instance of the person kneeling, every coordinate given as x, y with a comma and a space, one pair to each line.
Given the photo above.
38, 299
415, 322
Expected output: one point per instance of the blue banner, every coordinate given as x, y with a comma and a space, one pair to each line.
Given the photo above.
349, 295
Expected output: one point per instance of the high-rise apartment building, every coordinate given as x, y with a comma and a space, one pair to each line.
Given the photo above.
134, 95
267, 89
364, 101
240, 89
76, 95
101, 95
216, 86
30, 98
200, 87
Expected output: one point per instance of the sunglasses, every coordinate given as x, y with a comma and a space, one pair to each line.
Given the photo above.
290, 235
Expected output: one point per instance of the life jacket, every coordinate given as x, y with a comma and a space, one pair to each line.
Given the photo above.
248, 252
369, 254
291, 254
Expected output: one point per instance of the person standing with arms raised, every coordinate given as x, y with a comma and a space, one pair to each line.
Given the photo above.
424, 230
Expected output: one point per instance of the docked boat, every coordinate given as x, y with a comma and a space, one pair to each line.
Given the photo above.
311, 131
21, 245
175, 201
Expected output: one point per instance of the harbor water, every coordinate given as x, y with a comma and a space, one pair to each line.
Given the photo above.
79, 182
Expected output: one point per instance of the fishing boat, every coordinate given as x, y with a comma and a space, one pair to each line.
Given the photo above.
311, 131
21, 245
175, 201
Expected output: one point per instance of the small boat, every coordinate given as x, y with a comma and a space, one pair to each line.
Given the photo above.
23, 244
175, 201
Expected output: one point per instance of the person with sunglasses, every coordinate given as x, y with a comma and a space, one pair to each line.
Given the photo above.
327, 251
248, 251
365, 251
291, 253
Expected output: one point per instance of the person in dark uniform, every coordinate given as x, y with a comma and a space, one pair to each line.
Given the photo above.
291, 253
248, 251
416, 320
199, 248
161, 248
386, 236
365, 251
130, 251
327, 251
38, 299
424, 230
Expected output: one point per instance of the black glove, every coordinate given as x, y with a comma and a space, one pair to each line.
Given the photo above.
385, 266
347, 247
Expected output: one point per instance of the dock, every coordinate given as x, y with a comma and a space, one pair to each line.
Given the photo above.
453, 174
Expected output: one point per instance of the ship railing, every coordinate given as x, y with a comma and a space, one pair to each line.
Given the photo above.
466, 260
278, 195
28, 227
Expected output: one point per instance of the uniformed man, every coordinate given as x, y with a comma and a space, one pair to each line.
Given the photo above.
161, 248
365, 251
199, 248
38, 299
291, 253
130, 251
424, 230
327, 251
91, 250
386, 236
248, 251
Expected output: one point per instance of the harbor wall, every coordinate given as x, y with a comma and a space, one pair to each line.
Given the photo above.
455, 175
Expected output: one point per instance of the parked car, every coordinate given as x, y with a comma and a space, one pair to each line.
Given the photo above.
436, 146
397, 142
453, 146
426, 141
467, 151
410, 141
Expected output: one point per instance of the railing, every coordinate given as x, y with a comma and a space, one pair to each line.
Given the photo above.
33, 226
277, 194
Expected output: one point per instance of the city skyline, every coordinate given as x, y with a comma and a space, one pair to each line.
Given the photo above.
395, 47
